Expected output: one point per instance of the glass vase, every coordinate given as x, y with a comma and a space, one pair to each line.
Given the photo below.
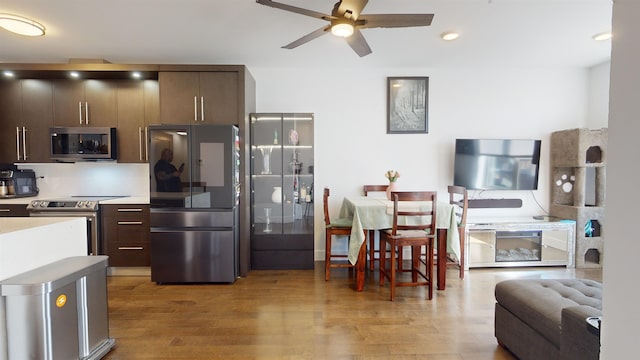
266, 160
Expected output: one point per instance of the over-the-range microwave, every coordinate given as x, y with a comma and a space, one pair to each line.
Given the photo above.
83, 143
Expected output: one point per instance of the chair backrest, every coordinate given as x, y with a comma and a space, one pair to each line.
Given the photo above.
325, 202
459, 198
407, 216
373, 188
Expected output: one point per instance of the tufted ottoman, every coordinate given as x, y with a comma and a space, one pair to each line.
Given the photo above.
546, 319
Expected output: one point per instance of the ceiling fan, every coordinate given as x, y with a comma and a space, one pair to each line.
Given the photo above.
346, 21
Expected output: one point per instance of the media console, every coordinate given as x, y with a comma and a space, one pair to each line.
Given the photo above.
520, 242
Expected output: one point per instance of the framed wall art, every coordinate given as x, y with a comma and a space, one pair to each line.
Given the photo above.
407, 105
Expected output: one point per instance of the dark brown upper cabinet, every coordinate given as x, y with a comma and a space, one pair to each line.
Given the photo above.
26, 113
210, 97
137, 108
89, 102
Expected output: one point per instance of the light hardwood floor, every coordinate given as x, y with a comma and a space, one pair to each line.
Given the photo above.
297, 315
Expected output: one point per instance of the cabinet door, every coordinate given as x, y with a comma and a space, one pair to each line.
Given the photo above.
37, 115
68, 103
219, 96
179, 97
85, 103
101, 97
131, 122
10, 115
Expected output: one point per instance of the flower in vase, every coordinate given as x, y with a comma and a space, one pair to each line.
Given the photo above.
392, 175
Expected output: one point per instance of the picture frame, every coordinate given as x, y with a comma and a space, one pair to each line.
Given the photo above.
408, 105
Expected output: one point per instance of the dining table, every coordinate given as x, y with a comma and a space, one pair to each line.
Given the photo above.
372, 213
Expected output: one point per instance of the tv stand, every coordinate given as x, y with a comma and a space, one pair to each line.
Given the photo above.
520, 242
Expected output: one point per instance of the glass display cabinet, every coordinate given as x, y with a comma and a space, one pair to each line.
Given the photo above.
282, 191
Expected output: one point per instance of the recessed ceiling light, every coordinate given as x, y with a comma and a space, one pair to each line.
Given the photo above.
449, 35
8, 73
74, 74
136, 75
602, 36
21, 25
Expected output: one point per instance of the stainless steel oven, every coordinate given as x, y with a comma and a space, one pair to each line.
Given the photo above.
87, 207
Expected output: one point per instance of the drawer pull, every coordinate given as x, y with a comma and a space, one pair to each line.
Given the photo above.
130, 248
129, 210
5, 210
129, 222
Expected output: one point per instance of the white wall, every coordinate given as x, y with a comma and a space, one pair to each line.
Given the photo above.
352, 147
598, 105
621, 317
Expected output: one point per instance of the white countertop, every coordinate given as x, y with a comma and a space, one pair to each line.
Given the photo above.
120, 200
13, 224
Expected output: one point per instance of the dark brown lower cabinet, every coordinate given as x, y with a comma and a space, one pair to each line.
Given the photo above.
126, 234
13, 210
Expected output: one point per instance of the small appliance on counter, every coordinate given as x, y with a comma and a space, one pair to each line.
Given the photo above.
17, 183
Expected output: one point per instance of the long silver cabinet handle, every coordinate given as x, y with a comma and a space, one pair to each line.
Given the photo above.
195, 108
140, 143
80, 111
146, 143
86, 112
130, 248
130, 210
202, 108
24, 143
18, 142
129, 222
5, 210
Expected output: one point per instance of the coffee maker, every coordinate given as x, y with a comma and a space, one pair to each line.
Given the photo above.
16, 182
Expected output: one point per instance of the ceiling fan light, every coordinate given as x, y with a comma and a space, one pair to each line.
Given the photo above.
342, 29
21, 25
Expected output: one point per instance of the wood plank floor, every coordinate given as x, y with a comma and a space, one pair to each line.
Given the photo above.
297, 315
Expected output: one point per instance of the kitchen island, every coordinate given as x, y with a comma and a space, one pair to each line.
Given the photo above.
27, 243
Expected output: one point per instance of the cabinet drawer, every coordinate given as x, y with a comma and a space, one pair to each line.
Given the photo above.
13, 210
125, 211
132, 254
283, 242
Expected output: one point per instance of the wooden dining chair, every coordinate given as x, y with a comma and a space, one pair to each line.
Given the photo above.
414, 225
371, 234
458, 197
334, 227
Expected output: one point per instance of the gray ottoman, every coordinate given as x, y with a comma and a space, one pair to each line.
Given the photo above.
529, 318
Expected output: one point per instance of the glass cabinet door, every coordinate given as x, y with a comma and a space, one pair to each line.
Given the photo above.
282, 173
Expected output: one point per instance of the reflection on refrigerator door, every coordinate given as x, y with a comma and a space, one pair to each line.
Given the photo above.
194, 234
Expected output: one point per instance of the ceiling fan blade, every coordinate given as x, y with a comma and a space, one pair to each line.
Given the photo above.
394, 20
358, 43
295, 9
323, 30
352, 6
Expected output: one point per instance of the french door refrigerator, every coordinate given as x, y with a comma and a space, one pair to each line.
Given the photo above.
194, 177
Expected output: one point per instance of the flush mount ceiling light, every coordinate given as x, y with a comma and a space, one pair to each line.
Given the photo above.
21, 25
449, 35
602, 36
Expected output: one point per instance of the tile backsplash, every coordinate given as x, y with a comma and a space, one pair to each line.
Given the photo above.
91, 179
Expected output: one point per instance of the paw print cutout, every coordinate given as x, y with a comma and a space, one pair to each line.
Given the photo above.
566, 182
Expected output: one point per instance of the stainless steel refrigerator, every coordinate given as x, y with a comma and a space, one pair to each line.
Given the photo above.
195, 187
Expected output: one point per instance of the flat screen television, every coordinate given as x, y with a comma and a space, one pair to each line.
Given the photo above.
497, 164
